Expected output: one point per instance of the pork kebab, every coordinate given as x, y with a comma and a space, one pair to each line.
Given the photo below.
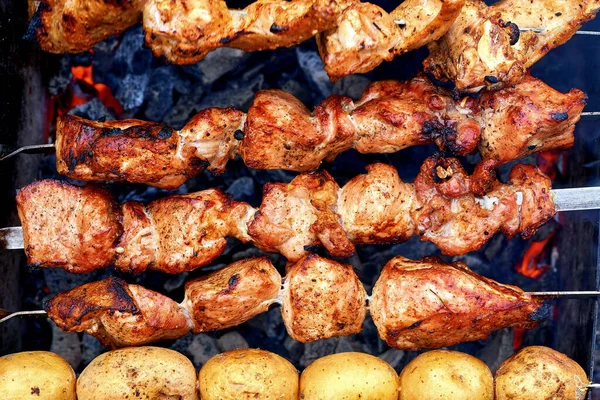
279, 132
415, 304
82, 229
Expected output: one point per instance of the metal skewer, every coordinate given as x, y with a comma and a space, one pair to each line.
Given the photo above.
7, 315
402, 23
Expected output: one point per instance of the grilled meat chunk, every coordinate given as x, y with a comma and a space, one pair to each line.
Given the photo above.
232, 295
300, 214
366, 35
322, 298
279, 132
118, 314
429, 304
533, 115
146, 152
67, 226
384, 212
457, 221
185, 31
484, 47
63, 26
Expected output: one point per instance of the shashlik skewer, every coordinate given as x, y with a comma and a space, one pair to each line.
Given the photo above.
279, 132
415, 304
81, 229
484, 47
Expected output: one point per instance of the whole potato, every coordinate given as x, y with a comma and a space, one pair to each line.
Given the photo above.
138, 372
448, 375
36, 375
538, 372
349, 376
248, 374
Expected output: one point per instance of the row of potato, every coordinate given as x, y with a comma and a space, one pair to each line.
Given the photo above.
156, 373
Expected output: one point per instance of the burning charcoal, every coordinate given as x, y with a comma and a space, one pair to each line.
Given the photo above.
238, 93
352, 85
93, 109
216, 64
59, 82
202, 348
131, 91
498, 349
68, 345
322, 348
175, 282
231, 341
294, 348
90, 348
300, 91
393, 357
159, 92
130, 55
104, 53
242, 189
185, 108
315, 74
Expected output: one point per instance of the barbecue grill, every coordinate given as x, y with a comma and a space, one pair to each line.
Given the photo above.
122, 79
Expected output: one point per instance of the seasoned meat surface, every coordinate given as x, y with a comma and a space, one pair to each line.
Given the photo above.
322, 298
68, 26
458, 221
118, 314
300, 214
366, 35
232, 295
429, 304
279, 132
377, 207
68, 226
533, 115
484, 46
183, 31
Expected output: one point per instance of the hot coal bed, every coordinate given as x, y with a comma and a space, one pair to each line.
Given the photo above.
120, 79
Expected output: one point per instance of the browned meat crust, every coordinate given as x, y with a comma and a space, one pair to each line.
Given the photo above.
429, 304
485, 48
321, 299
232, 295
183, 31
279, 132
68, 226
180, 233
118, 314
366, 35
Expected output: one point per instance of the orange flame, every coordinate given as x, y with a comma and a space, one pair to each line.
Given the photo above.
84, 74
531, 263
547, 162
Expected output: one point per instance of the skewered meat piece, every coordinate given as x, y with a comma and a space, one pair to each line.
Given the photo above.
322, 298
81, 229
415, 304
279, 132
484, 48
232, 295
533, 115
183, 31
366, 35
457, 221
298, 214
68, 226
118, 314
62, 26
184, 232
430, 304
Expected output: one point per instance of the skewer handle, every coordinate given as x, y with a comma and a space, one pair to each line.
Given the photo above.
7, 152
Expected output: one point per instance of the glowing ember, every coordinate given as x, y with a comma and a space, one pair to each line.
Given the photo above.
548, 162
104, 94
518, 335
532, 265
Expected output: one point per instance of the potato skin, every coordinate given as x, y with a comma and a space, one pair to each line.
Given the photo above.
539, 372
138, 372
349, 376
446, 375
39, 375
248, 374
